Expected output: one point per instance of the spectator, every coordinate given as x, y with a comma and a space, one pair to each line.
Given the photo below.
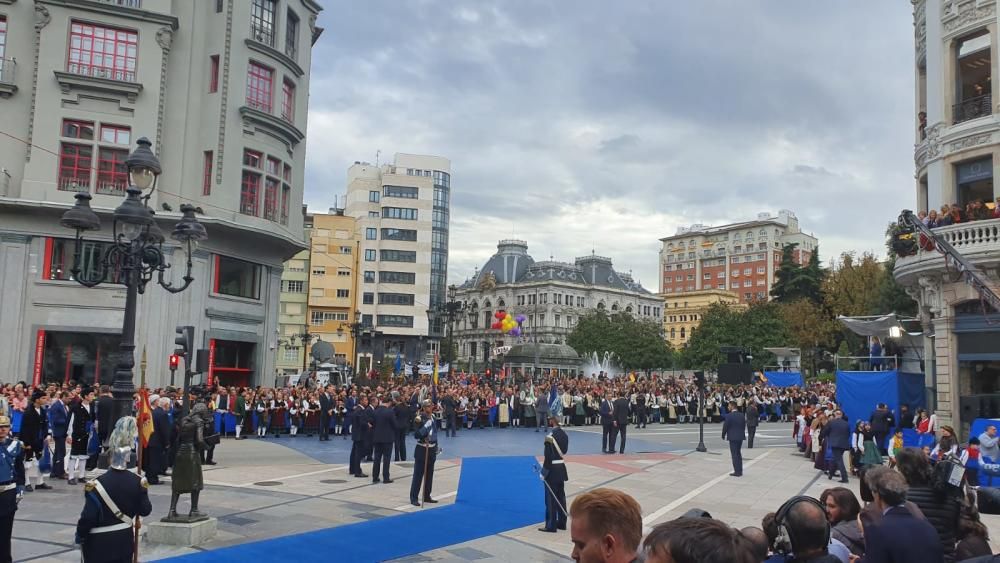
973, 537
932, 219
696, 540
899, 536
804, 533
996, 209
605, 526
972, 465
941, 510
842, 509
948, 445
988, 444
922, 127
759, 544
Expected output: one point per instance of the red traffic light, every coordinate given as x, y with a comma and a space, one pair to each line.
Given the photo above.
174, 361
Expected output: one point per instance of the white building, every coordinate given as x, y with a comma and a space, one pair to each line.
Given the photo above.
552, 295
957, 158
220, 87
402, 210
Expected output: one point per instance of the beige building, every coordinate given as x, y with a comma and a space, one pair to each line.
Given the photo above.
220, 88
333, 297
957, 158
738, 257
293, 315
402, 213
682, 313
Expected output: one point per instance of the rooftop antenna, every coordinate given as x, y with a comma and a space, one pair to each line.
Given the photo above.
377, 154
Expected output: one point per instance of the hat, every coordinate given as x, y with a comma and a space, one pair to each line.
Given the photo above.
4, 421
38, 394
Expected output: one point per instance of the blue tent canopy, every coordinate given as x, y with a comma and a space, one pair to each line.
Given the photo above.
784, 378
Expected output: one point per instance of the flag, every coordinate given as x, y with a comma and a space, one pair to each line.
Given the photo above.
145, 419
435, 369
399, 363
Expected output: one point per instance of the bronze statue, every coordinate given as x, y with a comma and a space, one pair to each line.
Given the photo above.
186, 476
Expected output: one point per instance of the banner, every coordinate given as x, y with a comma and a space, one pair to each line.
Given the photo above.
39, 357
211, 362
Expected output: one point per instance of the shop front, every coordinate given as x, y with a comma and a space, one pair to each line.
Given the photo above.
231, 362
69, 356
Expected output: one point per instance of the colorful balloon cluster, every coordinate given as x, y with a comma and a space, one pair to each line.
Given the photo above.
507, 323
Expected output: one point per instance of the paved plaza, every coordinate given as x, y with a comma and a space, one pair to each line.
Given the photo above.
267, 488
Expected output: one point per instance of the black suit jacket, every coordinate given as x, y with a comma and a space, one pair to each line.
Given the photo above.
161, 429
753, 415
881, 420
403, 416
105, 417
325, 404
34, 428
899, 536
556, 472
385, 426
620, 411
606, 410
359, 422
734, 427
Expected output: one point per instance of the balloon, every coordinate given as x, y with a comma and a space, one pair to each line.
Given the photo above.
499, 315
516, 331
495, 325
508, 317
520, 319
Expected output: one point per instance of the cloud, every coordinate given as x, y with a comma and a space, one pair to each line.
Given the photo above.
590, 127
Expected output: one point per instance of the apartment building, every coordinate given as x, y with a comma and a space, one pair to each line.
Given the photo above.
683, 312
333, 297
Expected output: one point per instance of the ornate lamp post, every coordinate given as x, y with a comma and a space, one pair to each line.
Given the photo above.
451, 310
473, 314
133, 258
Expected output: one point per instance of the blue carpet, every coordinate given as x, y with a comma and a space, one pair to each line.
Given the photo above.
495, 494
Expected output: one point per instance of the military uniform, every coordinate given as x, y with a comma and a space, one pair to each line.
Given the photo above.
555, 475
11, 487
425, 453
111, 503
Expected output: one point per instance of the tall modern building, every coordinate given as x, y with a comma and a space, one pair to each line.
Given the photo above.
220, 88
402, 213
957, 158
739, 257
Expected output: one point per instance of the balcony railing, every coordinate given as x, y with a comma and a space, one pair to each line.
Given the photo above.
7, 69
980, 106
971, 237
111, 188
71, 184
125, 3
977, 241
262, 34
101, 72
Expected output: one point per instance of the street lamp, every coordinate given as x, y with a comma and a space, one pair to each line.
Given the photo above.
134, 256
451, 310
473, 317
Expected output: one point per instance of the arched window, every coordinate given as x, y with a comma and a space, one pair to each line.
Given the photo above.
628, 309
600, 306
682, 333
673, 333
500, 303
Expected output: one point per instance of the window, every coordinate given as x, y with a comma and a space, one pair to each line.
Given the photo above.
102, 52
369, 276
747, 271
343, 293
291, 355
259, 82
237, 277
75, 163
396, 299
218, 6
399, 213
343, 272
112, 174
399, 234
370, 255
206, 174
61, 259
735, 284
368, 298
707, 276
286, 197
271, 199
398, 255
252, 158
295, 286
296, 266
406, 192
371, 233
116, 134
345, 249
734, 260
213, 74
316, 318
721, 275
262, 21
975, 180
373, 196
760, 269
440, 197
287, 100
409, 278
292, 35
747, 283
972, 74
286, 173
73, 129
319, 270
404, 321
373, 215
249, 193
272, 166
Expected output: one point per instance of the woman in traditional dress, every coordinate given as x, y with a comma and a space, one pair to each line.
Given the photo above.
263, 414
279, 421
515, 408
680, 405
819, 444
870, 455
503, 410
295, 414
579, 411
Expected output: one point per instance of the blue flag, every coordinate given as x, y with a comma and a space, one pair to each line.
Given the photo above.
399, 363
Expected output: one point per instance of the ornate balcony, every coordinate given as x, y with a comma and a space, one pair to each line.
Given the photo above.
978, 241
972, 108
7, 84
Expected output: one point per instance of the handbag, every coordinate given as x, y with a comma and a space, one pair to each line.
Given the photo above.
212, 439
45, 464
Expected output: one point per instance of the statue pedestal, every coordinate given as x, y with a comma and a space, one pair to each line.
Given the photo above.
181, 533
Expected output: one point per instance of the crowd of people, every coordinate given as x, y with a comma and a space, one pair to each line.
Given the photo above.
975, 210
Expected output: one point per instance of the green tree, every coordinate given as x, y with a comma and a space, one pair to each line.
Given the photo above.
755, 328
792, 281
810, 328
852, 287
638, 344
892, 298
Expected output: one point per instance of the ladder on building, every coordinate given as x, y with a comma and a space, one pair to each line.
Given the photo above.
972, 275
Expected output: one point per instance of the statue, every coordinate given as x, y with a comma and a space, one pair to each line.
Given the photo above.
186, 476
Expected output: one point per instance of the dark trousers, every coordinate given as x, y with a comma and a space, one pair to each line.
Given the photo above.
400, 454
555, 518
6, 529
640, 417
356, 455
422, 455
452, 425
751, 431
737, 455
607, 437
207, 454
620, 429
383, 455
324, 425
838, 464
58, 455
369, 448
880, 443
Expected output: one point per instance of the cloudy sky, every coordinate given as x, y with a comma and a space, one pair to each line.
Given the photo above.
579, 126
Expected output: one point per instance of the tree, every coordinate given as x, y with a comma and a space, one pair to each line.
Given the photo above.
852, 287
809, 327
637, 343
892, 298
755, 328
784, 279
792, 281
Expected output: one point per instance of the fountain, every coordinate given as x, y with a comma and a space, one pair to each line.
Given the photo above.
594, 364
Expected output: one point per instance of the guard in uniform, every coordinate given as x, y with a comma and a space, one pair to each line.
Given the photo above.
424, 454
11, 484
112, 502
555, 477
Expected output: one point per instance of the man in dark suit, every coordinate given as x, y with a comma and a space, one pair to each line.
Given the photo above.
838, 434
34, 429
383, 437
607, 426
734, 428
753, 419
58, 416
619, 422
105, 414
155, 460
325, 410
882, 422
448, 402
404, 416
369, 426
899, 536
359, 426
555, 475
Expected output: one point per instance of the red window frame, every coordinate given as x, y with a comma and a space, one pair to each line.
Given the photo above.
250, 193
102, 51
112, 174
273, 166
287, 100
121, 134
286, 195
252, 158
270, 199
75, 165
77, 129
206, 180
213, 76
286, 174
260, 82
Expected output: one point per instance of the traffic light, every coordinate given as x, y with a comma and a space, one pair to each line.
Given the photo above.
175, 360
184, 341
699, 379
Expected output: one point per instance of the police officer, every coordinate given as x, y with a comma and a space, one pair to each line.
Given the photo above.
112, 502
424, 454
11, 484
555, 476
